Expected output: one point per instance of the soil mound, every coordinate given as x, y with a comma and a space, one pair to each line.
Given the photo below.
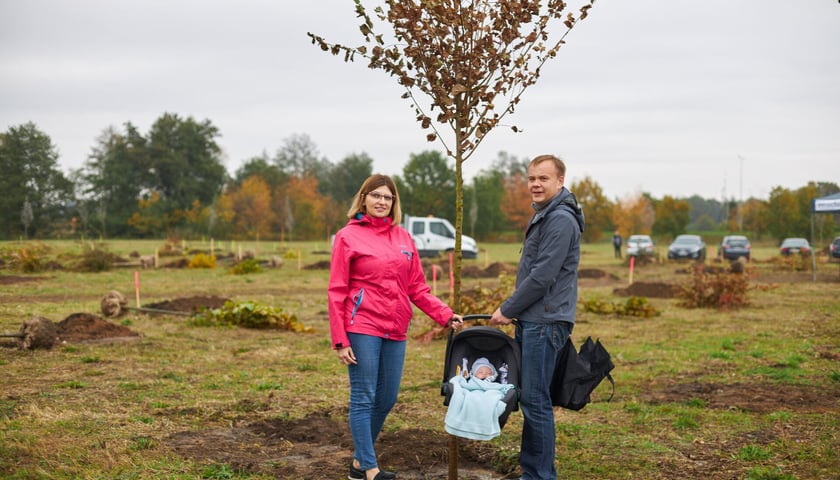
492, 271
321, 265
189, 304
649, 289
85, 327
180, 263
595, 273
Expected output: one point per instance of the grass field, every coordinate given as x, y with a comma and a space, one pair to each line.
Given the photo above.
750, 393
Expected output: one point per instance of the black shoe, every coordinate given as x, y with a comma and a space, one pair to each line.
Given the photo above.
357, 474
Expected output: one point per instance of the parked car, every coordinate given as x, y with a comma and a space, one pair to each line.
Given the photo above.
834, 248
795, 245
687, 246
733, 247
639, 245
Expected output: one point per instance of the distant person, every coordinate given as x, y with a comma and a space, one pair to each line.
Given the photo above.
617, 244
375, 277
544, 302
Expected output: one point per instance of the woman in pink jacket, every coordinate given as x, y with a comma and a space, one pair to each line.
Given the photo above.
375, 277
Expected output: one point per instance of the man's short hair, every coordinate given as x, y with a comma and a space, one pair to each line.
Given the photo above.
558, 164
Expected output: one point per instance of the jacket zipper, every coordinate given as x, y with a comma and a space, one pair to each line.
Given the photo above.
357, 301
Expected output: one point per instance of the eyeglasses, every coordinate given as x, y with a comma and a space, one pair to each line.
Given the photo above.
378, 196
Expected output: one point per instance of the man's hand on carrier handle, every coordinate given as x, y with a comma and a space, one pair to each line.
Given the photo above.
456, 322
498, 319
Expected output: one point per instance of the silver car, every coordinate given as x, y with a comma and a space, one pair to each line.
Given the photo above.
639, 245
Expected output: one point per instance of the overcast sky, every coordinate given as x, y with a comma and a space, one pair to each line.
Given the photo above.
672, 97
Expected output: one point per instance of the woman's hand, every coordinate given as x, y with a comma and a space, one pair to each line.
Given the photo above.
456, 322
346, 356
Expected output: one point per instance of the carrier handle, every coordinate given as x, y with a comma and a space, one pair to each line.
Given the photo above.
477, 316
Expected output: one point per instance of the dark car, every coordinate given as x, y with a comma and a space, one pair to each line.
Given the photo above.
733, 247
795, 245
834, 248
687, 246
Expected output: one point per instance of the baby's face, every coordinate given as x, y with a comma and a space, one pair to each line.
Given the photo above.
483, 372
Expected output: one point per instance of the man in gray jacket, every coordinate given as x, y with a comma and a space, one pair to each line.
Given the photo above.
544, 302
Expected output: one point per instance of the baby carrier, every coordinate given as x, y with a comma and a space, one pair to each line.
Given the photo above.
494, 345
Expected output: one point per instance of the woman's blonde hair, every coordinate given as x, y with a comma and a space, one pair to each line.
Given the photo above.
372, 183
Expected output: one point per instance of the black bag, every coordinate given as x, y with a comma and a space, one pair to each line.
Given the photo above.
577, 374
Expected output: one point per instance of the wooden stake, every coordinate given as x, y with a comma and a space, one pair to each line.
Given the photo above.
137, 287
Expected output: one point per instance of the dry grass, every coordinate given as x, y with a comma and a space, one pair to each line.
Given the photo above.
685, 405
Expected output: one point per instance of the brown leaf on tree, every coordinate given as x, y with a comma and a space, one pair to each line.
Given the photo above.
458, 89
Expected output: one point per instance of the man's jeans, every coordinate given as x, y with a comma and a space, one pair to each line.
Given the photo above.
540, 342
374, 384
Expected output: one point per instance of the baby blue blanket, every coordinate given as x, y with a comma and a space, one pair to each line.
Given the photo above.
474, 408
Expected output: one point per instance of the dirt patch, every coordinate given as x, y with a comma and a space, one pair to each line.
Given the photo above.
321, 265
492, 271
318, 447
179, 263
595, 273
13, 279
648, 289
189, 304
751, 397
84, 327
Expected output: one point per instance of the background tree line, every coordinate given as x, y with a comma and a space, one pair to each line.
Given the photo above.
171, 182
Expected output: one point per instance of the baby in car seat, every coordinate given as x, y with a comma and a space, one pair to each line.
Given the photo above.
483, 369
476, 402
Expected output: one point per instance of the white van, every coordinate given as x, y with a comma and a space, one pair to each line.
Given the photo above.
433, 236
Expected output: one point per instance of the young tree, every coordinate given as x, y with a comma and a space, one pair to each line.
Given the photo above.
472, 61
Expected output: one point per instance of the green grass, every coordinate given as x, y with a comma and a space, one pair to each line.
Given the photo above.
121, 401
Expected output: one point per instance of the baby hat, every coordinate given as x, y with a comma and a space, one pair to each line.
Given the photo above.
483, 362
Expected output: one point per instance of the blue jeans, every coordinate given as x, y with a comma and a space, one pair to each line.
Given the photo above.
540, 342
374, 384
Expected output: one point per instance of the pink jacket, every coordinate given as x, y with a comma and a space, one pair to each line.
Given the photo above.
375, 276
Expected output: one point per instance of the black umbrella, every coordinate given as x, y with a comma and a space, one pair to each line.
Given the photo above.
577, 374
